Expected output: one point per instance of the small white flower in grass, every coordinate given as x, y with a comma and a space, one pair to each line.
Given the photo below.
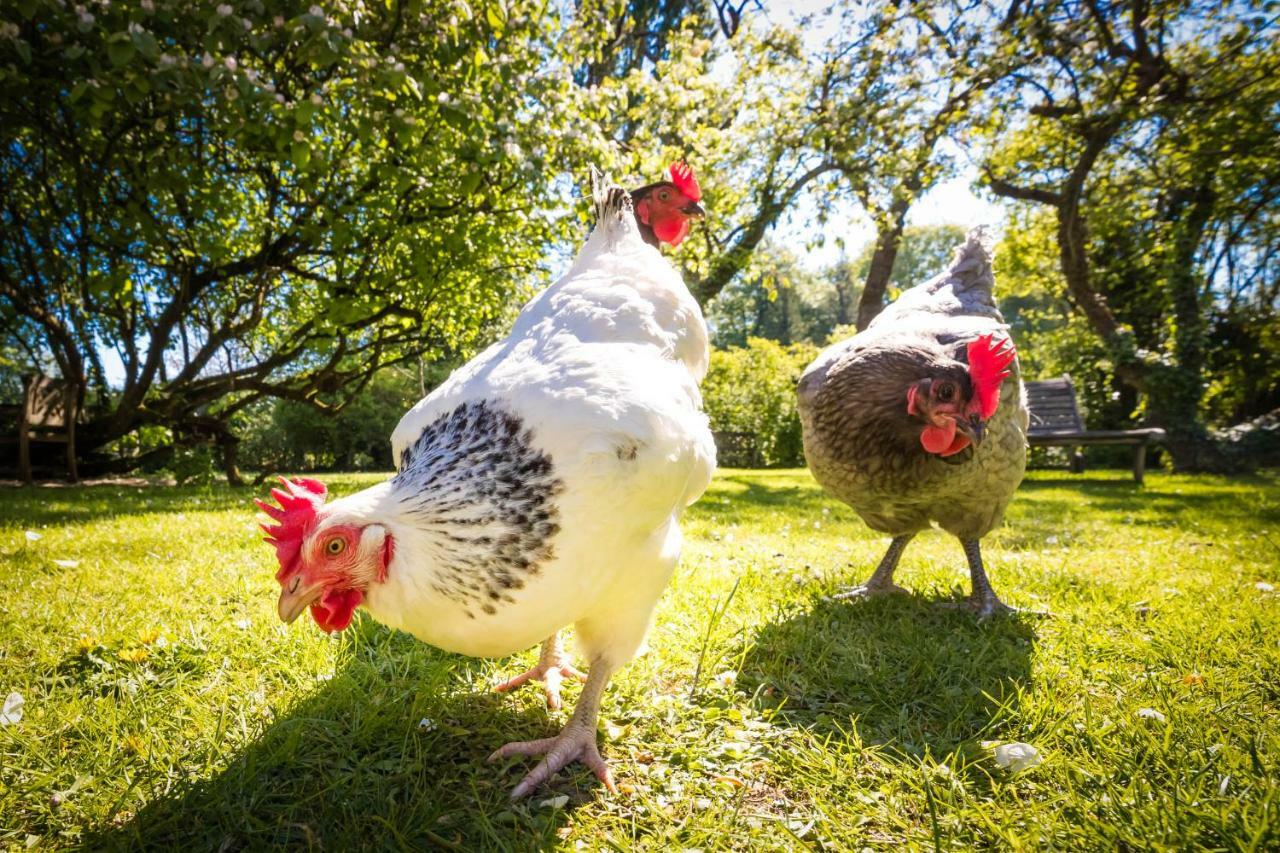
728, 537
817, 525
726, 679
1016, 757
66, 564
1051, 540
1263, 586
555, 802
12, 711
243, 624
426, 724
1151, 714
32, 536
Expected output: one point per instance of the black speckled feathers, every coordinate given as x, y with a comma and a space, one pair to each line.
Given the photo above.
476, 479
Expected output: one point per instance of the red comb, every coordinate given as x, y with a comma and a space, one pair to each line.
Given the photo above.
682, 177
294, 517
989, 362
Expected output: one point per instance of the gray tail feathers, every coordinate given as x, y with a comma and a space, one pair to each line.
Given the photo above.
611, 201
970, 268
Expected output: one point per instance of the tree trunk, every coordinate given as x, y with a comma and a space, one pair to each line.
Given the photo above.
1175, 391
888, 241
230, 447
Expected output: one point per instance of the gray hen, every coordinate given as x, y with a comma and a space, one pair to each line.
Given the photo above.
920, 418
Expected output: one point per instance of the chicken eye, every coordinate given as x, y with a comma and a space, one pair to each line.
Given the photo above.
946, 393
335, 546
664, 195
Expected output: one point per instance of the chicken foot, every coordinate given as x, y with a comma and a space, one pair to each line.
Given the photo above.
881, 581
553, 666
576, 741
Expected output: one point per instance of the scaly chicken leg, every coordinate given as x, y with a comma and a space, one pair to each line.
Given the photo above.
881, 581
982, 600
576, 741
553, 666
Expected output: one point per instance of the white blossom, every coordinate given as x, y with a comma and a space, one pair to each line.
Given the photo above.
1016, 757
225, 9
12, 711
32, 536
1151, 714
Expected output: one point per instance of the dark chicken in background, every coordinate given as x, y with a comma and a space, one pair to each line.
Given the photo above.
921, 419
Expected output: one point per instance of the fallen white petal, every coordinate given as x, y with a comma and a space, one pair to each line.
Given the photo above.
66, 564
555, 802
12, 710
243, 624
32, 536
1017, 756
1263, 586
1151, 714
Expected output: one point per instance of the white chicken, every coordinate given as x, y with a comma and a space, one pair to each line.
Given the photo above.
541, 485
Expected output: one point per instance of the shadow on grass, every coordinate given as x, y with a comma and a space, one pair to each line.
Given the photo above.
909, 673
351, 767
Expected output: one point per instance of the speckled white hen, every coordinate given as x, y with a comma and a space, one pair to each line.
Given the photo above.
540, 486
920, 418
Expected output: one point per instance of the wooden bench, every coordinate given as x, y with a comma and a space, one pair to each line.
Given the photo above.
1056, 422
48, 414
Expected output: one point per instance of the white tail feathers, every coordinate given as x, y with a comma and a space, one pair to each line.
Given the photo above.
611, 201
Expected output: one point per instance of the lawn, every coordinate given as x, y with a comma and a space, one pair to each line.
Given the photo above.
166, 706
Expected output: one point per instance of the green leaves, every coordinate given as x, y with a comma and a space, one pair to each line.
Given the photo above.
120, 49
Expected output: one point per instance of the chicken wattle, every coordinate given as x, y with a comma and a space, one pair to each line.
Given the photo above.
541, 485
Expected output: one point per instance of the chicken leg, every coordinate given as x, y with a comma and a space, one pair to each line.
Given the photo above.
576, 741
982, 600
881, 581
553, 667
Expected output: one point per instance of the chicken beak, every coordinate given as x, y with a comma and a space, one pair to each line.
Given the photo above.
296, 598
693, 210
977, 429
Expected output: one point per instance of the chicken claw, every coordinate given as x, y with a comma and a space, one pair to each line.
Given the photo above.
574, 743
552, 668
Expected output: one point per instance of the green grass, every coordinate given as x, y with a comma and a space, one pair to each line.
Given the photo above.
847, 725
